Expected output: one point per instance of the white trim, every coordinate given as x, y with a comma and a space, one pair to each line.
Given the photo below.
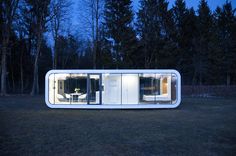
121, 106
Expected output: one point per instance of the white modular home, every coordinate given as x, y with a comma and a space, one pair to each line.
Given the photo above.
113, 89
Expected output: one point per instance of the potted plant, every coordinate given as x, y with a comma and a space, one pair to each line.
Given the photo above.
77, 90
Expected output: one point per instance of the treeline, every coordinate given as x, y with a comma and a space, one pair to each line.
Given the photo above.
201, 43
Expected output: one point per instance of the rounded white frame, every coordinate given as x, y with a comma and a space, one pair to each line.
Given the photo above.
110, 106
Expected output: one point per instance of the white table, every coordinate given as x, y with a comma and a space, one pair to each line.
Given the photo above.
74, 95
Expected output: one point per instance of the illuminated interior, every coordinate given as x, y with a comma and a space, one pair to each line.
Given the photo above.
112, 88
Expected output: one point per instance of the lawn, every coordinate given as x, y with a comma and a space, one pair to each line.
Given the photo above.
200, 126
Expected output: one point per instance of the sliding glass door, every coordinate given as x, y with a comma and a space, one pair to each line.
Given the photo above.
94, 89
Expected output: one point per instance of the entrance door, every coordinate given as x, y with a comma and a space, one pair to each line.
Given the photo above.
94, 89
112, 89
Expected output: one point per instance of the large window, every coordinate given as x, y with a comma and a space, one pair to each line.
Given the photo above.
77, 88
94, 87
155, 88
174, 88
68, 88
51, 88
112, 88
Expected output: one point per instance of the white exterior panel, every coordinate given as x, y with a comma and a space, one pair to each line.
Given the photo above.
117, 93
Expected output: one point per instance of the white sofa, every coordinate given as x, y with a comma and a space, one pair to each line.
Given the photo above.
163, 97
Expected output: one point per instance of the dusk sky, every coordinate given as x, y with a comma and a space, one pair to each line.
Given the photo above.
194, 3
78, 27
190, 3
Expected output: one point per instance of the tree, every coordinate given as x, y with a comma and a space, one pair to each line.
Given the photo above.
8, 11
92, 16
155, 30
184, 35
180, 14
45, 63
118, 25
227, 30
59, 13
39, 11
204, 30
191, 35
67, 52
148, 29
167, 55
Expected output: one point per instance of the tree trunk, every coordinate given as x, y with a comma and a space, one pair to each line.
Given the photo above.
96, 41
9, 13
55, 50
21, 80
3, 68
12, 77
93, 35
21, 73
35, 87
145, 56
200, 73
200, 78
194, 77
228, 79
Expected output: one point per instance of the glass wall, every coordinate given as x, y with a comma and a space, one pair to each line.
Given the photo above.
94, 88
155, 88
112, 89
51, 88
149, 88
77, 88
174, 88
68, 88
59, 88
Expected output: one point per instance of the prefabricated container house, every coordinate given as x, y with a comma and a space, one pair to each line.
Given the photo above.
113, 89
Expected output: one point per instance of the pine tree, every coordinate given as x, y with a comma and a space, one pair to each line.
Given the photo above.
180, 14
204, 30
215, 57
148, 31
226, 25
185, 33
118, 23
104, 50
154, 23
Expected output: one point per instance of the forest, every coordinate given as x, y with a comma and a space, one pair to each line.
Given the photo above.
199, 43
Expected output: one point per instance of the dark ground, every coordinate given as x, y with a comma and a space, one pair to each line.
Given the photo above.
200, 126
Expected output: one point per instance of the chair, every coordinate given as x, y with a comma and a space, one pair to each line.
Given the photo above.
83, 97
68, 96
60, 97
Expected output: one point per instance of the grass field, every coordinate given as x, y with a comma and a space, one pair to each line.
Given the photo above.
200, 126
